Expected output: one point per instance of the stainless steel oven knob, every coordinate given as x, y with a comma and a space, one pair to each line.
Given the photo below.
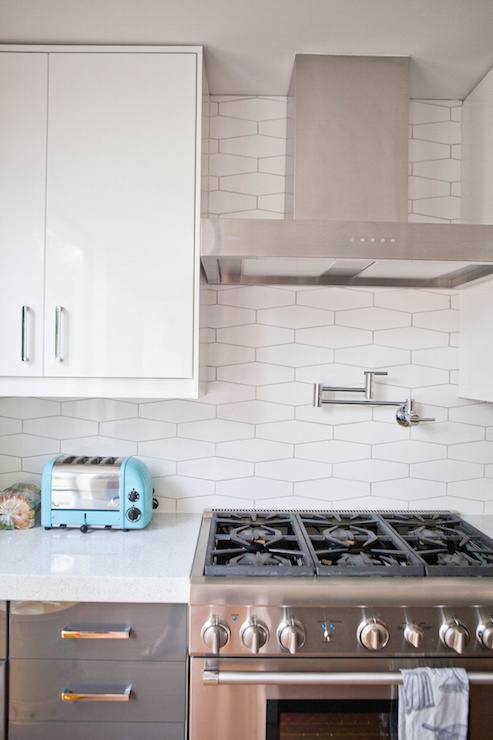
413, 635
291, 635
485, 634
454, 635
215, 635
373, 634
254, 635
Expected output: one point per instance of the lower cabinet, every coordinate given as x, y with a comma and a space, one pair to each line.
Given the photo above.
90, 631
95, 731
109, 674
95, 690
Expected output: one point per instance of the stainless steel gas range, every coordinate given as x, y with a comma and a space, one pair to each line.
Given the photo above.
301, 621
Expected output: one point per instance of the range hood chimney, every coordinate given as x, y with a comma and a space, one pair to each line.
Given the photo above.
348, 126
346, 224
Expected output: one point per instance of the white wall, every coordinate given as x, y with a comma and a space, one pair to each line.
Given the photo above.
254, 439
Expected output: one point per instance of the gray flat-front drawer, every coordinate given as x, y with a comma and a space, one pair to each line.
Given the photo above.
95, 731
3, 629
95, 631
158, 691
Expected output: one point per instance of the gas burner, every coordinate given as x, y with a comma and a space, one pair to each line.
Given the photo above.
256, 543
256, 536
356, 544
350, 536
435, 535
359, 559
445, 543
454, 559
260, 559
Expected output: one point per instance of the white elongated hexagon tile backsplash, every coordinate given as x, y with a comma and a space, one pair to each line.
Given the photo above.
254, 439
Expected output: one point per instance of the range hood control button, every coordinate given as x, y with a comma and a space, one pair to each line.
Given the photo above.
454, 635
413, 635
215, 635
485, 634
254, 635
291, 635
373, 634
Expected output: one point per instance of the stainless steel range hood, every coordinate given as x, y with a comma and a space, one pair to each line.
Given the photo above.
347, 194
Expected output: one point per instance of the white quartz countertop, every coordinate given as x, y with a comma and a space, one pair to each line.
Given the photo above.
483, 522
151, 565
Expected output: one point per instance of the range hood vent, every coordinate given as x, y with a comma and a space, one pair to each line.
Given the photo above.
346, 194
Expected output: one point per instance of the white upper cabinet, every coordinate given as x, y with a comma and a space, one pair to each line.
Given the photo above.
476, 353
23, 110
120, 215
120, 129
477, 154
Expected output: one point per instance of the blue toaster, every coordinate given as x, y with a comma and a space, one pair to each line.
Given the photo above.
102, 492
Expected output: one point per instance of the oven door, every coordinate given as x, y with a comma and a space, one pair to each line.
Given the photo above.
308, 699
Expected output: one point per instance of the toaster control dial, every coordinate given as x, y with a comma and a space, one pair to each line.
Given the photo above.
373, 634
133, 495
134, 514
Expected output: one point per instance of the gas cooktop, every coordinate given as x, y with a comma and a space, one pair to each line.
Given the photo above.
345, 543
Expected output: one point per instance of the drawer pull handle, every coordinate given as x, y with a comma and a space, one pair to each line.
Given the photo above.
118, 632
123, 693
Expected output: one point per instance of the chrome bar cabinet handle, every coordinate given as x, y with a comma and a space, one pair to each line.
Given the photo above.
96, 632
58, 334
115, 694
24, 337
215, 678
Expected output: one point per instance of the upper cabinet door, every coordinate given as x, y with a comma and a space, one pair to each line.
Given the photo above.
23, 110
476, 351
121, 215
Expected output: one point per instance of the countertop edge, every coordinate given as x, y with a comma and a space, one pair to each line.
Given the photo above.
120, 589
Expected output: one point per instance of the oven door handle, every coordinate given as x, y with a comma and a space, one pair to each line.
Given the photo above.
273, 678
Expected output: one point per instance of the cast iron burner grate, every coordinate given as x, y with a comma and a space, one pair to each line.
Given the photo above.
447, 544
256, 543
345, 543
357, 544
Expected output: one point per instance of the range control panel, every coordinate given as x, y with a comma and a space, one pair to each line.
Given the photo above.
338, 631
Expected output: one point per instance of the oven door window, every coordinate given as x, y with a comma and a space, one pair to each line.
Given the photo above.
331, 720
